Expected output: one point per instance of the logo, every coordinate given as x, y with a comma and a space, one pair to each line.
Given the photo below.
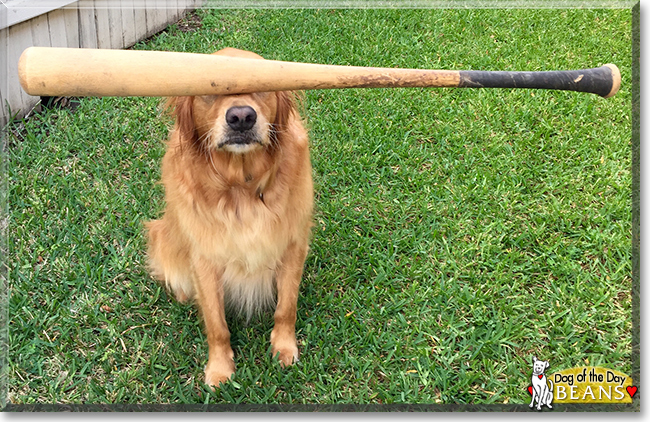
541, 391
586, 384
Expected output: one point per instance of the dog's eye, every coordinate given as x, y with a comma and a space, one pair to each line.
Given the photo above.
209, 98
262, 95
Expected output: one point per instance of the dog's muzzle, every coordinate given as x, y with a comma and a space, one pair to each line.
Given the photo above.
241, 123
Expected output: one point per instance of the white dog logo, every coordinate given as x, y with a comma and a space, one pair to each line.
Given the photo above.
541, 390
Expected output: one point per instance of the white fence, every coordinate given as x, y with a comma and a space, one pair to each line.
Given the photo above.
76, 24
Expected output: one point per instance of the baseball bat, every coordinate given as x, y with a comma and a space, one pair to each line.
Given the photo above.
49, 71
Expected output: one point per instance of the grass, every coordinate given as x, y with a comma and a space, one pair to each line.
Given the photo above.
457, 232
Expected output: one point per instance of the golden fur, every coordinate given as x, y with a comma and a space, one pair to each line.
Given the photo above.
235, 230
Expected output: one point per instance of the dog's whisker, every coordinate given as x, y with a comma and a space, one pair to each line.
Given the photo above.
213, 165
202, 140
204, 125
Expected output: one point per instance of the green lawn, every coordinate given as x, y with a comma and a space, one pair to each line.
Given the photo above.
457, 232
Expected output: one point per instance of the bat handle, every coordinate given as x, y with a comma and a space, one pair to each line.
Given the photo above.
604, 81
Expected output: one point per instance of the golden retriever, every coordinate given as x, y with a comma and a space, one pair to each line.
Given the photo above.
239, 200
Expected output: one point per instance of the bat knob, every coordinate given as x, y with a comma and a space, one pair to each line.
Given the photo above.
616, 79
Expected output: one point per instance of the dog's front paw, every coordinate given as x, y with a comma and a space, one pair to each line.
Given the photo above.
219, 372
287, 355
286, 347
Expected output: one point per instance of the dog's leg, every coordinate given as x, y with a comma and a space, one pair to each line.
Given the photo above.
168, 260
540, 397
283, 336
220, 364
549, 396
532, 400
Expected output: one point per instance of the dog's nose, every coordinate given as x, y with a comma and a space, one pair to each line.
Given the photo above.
241, 118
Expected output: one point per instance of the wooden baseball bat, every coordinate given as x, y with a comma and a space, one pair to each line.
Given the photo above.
49, 71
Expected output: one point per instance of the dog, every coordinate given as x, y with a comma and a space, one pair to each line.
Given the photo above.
541, 390
239, 204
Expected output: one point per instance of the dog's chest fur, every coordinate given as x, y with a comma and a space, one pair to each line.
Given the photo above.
234, 218
252, 239
239, 229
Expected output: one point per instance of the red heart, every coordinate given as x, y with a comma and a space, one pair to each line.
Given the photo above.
540, 376
631, 391
530, 390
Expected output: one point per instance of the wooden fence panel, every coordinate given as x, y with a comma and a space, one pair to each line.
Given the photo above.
40, 31
140, 15
115, 28
20, 37
128, 23
71, 24
156, 16
169, 17
56, 23
103, 28
87, 28
174, 11
4, 36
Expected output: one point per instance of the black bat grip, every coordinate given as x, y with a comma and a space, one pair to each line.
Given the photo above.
604, 81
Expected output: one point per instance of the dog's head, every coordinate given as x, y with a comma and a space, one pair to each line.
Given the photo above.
539, 366
233, 123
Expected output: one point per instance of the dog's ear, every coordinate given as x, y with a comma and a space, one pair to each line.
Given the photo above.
546, 365
181, 109
286, 109
534, 359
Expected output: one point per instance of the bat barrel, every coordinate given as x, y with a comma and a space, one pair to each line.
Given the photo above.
604, 81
